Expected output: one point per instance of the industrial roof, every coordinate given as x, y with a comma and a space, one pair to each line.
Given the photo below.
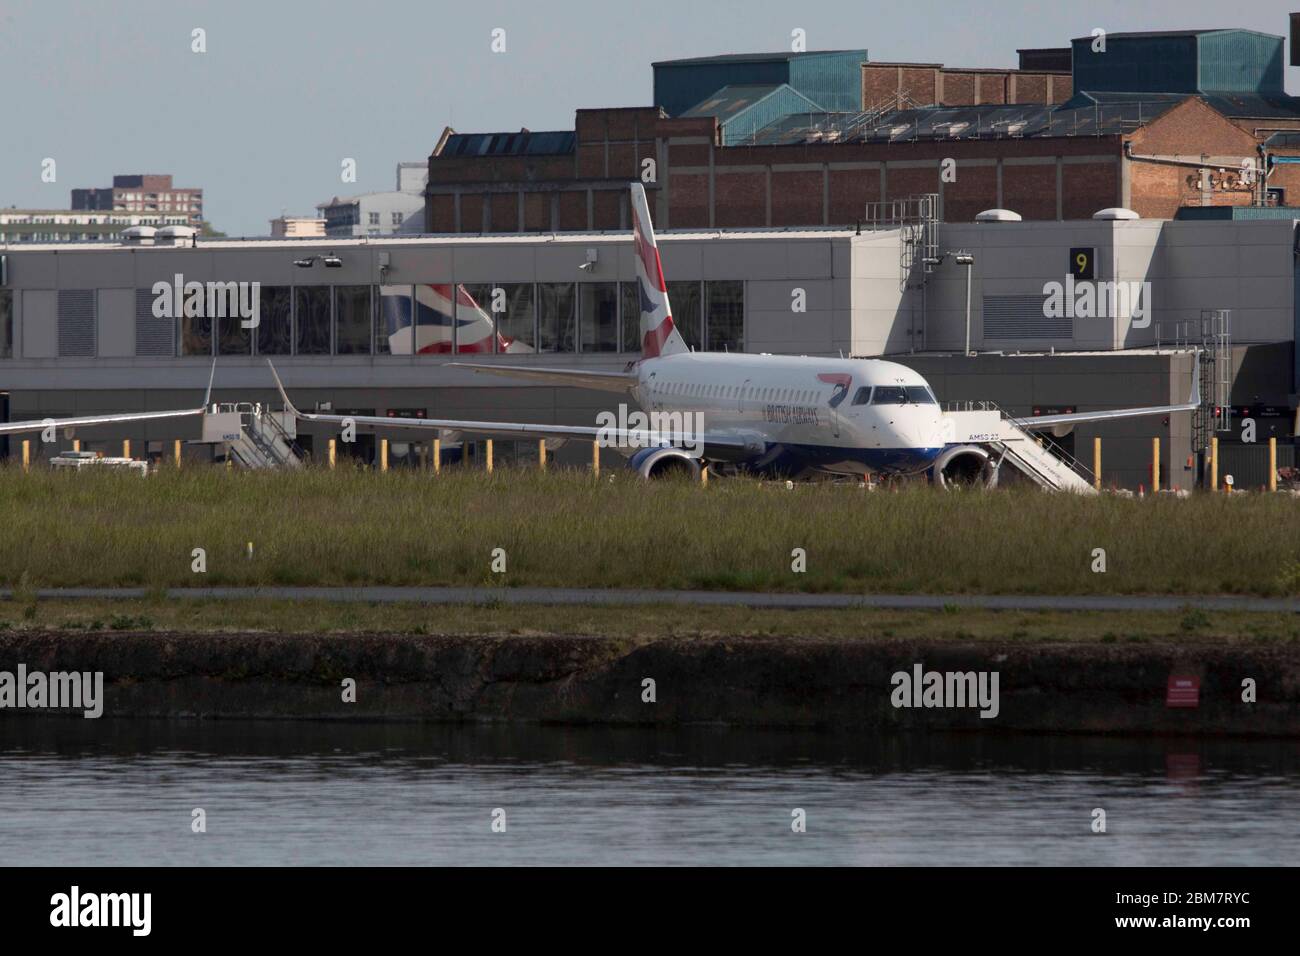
523, 143
736, 98
751, 57
963, 123
1272, 105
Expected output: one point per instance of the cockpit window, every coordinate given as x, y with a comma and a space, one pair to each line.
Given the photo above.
862, 396
920, 395
889, 395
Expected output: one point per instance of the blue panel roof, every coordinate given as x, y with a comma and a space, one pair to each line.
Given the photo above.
522, 143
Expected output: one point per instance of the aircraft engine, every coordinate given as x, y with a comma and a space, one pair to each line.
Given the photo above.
965, 466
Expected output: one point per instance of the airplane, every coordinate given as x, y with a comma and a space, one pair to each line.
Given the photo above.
795, 416
85, 421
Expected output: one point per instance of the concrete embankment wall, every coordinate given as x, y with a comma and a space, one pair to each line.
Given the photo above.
756, 682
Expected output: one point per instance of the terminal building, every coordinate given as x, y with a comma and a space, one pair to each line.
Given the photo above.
369, 325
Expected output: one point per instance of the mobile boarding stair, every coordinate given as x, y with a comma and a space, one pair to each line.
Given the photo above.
981, 439
254, 436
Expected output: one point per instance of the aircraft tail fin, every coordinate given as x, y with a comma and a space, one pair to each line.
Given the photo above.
658, 334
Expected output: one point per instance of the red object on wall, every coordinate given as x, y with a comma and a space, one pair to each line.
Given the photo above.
1183, 691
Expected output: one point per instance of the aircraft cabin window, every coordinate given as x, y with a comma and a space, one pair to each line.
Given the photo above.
889, 395
920, 395
863, 395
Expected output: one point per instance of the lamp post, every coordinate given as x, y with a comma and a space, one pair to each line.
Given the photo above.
967, 260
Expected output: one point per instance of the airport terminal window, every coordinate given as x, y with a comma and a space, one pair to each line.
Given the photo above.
598, 306
196, 335
475, 323
556, 317
725, 318
232, 337
920, 395
312, 314
6, 323
629, 317
890, 395
275, 321
862, 396
515, 324
684, 297
352, 319
432, 327
393, 320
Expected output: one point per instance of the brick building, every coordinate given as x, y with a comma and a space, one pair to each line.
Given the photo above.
1153, 122
147, 193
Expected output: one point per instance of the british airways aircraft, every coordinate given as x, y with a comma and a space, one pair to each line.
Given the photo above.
764, 414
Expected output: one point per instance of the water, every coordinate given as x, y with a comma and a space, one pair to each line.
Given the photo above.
77, 792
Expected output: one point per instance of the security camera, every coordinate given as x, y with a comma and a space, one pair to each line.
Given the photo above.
332, 262
305, 263
586, 266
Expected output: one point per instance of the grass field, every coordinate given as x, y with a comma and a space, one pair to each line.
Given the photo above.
646, 623
565, 528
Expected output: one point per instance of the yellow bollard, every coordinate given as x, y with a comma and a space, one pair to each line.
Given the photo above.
76, 444
333, 453
489, 455
126, 448
383, 454
176, 449
437, 455
27, 454
541, 454
595, 459
230, 462
704, 474
1272, 464
1096, 462
1214, 464
1155, 465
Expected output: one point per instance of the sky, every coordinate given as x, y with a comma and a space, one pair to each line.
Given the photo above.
289, 89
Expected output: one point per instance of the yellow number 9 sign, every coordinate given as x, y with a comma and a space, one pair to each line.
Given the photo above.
1081, 263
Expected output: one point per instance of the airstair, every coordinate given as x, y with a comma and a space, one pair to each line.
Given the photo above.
254, 436
987, 432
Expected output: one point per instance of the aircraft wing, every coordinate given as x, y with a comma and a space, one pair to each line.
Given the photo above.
715, 445
603, 381
1037, 422
36, 425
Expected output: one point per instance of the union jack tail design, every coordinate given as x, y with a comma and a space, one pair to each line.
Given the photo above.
658, 335
430, 323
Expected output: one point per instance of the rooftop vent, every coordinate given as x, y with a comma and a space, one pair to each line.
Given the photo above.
138, 235
998, 215
1115, 212
175, 236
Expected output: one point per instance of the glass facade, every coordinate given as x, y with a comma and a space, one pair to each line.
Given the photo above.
629, 317
684, 297
352, 319
312, 319
275, 321
393, 320
556, 317
598, 307
516, 326
724, 321
196, 335
6, 323
445, 317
